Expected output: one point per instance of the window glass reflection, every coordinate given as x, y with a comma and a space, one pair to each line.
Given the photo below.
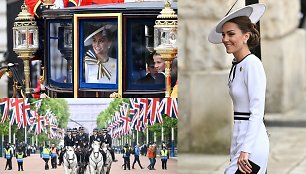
60, 59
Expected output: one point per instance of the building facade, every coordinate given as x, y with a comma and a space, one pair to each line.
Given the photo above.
84, 112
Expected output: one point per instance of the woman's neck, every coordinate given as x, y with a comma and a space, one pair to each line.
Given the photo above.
102, 57
239, 55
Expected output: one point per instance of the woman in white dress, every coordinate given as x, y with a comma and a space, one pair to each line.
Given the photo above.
99, 67
247, 88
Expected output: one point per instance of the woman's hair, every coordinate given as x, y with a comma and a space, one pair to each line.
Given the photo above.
245, 25
107, 33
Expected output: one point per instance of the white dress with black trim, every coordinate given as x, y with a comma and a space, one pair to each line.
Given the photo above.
247, 87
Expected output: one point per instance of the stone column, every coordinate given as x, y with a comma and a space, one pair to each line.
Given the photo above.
3, 46
283, 55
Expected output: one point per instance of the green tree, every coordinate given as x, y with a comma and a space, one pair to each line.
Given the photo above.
59, 107
4, 128
106, 116
168, 124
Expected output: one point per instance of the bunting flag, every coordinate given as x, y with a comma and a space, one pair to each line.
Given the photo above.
154, 111
26, 114
5, 108
125, 119
170, 107
38, 124
19, 112
142, 112
16, 110
134, 111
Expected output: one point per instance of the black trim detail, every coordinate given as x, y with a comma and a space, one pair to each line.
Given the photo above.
242, 113
234, 65
241, 118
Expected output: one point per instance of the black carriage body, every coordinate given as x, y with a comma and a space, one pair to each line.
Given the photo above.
133, 26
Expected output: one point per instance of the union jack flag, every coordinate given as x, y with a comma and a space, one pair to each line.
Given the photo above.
142, 120
5, 108
16, 107
155, 111
125, 119
134, 111
170, 107
38, 124
26, 114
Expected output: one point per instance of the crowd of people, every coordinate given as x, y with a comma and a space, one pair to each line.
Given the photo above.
82, 144
149, 151
20, 151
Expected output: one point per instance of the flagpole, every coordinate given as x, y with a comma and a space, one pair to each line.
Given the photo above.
162, 134
14, 139
172, 138
36, 136
137, 139
10, 133
2, 140
154, 137
25, 134
133, 137
147, 135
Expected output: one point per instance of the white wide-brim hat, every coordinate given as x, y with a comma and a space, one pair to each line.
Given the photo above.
254, 12
88, 40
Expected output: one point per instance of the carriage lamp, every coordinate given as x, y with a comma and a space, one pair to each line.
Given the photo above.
65, 47
165, 34
25, 35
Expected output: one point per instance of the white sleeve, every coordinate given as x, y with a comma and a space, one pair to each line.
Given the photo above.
255, 80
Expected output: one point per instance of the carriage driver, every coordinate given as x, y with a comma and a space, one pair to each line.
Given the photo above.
82, 144
107, 139
69, 140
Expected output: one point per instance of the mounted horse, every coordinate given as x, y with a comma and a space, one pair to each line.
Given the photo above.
95, 159
108, 161
81, 153
70, 161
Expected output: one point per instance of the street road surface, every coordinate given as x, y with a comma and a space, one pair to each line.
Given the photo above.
35, 165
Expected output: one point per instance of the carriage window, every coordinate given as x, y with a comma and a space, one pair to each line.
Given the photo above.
142, 64
60, 54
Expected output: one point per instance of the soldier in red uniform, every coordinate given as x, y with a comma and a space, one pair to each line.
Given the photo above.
90, 2
35, 7
106, 1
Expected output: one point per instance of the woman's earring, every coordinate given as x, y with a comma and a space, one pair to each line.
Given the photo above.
245, 42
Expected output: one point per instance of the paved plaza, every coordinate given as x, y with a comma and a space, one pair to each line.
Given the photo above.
35, 165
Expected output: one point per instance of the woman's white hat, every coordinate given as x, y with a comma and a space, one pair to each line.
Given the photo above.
105, 30
254, 12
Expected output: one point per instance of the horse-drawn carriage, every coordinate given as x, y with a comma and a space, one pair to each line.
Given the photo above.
70, 63
74, 66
